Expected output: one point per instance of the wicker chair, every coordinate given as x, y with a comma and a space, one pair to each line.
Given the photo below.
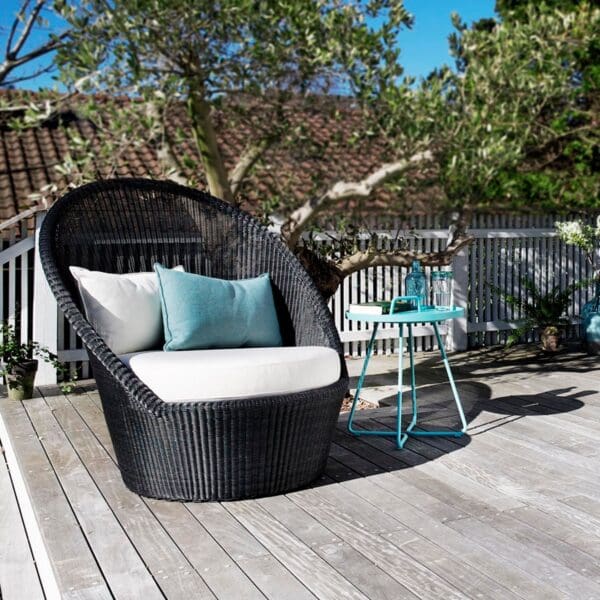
194, 451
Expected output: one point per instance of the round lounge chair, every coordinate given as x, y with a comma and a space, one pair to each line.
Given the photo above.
217, 449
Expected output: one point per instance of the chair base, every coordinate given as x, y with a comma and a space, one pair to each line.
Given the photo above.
224, 450
142, 489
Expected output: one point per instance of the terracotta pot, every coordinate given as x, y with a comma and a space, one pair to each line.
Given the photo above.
20, 380
550, 339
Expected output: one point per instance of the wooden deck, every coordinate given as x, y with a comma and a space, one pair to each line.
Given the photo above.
510, 511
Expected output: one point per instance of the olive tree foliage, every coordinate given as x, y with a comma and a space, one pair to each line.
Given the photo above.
515, 101
20, 50
242, 56
564, 176
516, 98
519, 9
524, 98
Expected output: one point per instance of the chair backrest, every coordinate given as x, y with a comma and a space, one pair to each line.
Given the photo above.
127, 225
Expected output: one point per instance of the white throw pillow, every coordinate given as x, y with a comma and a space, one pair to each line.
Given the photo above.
123, 308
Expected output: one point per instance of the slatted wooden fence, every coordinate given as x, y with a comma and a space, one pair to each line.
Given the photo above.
26, 301
498, 256
17, 269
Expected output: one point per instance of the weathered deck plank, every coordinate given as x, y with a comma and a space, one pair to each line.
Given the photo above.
368, 577
524, 554
75, 569
18, 574
175, 576
511, 511
324, 581
266, 572
115, 554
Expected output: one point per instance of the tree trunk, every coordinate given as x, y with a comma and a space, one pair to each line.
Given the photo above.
206, 142
328, 275
324, 273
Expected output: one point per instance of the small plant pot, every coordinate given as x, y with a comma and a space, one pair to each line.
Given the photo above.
550, 338
20, 380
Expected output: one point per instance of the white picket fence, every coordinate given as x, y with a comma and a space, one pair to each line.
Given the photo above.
26, 301
500, 257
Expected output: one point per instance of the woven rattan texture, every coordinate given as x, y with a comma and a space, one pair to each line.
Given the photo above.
231, 449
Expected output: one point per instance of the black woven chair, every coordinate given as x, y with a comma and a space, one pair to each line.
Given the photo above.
199, 451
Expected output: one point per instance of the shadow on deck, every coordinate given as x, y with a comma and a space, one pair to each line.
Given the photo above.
510, 510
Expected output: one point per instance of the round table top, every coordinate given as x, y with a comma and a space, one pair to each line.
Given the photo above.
428, 315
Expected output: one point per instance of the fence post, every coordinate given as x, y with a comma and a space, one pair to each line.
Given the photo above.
45, 312
458, 339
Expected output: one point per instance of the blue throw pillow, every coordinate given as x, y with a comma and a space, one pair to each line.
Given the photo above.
203, 312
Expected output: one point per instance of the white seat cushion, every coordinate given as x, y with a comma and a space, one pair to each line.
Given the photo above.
222, 374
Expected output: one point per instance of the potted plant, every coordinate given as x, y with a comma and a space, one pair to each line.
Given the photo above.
587, 238
543, 312
20, 363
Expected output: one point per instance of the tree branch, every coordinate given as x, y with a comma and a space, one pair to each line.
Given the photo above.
401, 258
206, 142
164, 152
9, 64
12, 53
169, 158
246, 161
49, 46
299, 219
13, 29
556, 140
13, 108
458, 238
28, 77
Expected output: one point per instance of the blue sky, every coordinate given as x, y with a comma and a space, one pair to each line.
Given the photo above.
423, 48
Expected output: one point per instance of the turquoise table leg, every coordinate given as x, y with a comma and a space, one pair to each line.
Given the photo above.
400, 438
413, 380
402, 435
359, 385
463, 421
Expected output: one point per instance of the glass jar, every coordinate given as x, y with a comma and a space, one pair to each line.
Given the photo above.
416, 284
441, 287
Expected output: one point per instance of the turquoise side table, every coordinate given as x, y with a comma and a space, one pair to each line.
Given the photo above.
408, 318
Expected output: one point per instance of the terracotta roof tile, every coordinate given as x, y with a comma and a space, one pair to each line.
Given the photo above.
28, 161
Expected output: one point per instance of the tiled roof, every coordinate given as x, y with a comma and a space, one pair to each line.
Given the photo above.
28, 159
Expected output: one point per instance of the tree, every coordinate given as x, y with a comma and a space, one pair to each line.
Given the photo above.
563, 175
521, 9
18, 51
461, 135
232, 49
516, 100
243, 57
